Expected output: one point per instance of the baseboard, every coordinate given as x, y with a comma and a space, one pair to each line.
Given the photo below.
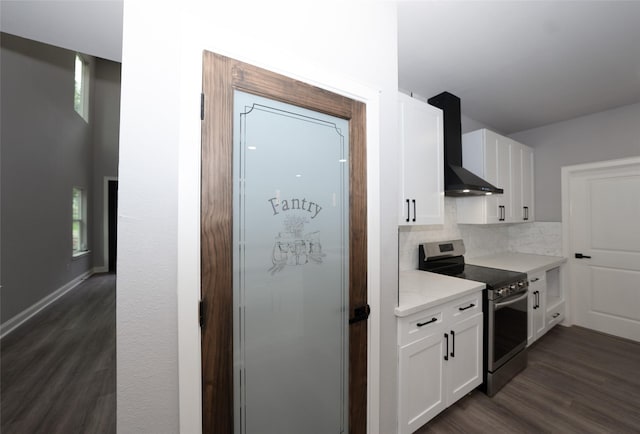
15, 322
103, 269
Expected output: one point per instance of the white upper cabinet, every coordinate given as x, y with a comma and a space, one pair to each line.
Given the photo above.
421, 144
527, 208
504, 163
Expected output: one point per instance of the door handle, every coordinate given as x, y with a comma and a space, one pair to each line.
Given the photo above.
453, 343
408, 211
446, 353
581, 256
360, 314
414, 210
497, 306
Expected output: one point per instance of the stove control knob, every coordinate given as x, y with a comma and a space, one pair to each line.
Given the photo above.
520, 284
501, 292
512, 286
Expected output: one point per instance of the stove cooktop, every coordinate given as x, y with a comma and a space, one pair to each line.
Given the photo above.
446, 257
456, 267
493, 277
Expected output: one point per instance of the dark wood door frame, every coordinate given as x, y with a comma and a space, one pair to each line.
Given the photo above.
221, 76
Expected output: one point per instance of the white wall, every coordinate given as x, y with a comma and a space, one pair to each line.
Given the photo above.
607, 135
46, 151
347, 47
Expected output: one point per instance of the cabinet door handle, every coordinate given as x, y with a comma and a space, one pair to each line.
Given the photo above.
453, 343
537, 299
420, 324
414, 210
466, 307
446, 353
408, 211
526, 212
535, 279
556, 315
503, 213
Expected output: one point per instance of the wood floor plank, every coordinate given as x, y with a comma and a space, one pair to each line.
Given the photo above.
58, 370
576, 381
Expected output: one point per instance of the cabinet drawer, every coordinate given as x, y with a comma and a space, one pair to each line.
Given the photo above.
466, 307
555, 315
420, 325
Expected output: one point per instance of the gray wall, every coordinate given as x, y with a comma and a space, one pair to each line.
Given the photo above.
45, 153
105, 118
47, 149
601, 136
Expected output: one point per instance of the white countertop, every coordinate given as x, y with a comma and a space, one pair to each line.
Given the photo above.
420, 290
522, 262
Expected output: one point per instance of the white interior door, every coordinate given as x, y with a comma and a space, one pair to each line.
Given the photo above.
603, 225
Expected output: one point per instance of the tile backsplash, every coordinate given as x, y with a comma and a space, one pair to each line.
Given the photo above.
543, 238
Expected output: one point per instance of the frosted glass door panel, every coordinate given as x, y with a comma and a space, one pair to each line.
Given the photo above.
291, 234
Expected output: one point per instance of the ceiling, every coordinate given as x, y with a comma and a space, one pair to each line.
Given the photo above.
520, 65
91, 27
515, 65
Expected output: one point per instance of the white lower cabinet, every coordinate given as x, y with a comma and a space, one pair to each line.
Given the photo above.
442, 363
464, 367
546, 302
421, 370
537, 306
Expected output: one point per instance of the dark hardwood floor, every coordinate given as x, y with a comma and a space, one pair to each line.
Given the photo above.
58, 370
58, 375
577, 381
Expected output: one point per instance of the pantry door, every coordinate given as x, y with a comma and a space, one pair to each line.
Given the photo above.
283, 233
604, 211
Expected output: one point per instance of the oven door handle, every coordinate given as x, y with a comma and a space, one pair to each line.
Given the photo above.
497, 306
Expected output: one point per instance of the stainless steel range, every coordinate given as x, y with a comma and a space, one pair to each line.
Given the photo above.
504, 306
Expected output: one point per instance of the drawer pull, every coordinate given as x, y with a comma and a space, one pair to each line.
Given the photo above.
535, 279
556, 315
420, 324
467, 307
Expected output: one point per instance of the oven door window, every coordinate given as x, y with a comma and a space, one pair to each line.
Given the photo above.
509, 328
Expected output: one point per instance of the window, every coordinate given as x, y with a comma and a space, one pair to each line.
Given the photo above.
81, 88
79, 223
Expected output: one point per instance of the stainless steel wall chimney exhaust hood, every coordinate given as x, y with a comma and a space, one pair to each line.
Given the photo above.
458, 181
